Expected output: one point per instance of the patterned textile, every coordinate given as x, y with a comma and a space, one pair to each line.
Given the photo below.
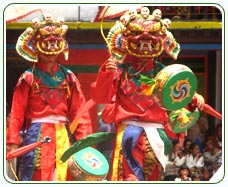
151, 163
127, 165
50, 159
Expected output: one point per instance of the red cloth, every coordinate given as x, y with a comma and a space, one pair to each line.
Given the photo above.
110, 88
27, 105
107, 87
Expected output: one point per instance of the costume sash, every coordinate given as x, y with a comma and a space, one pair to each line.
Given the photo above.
26, 162
62, 144
47, 157
130, 137
156, 141
118, 147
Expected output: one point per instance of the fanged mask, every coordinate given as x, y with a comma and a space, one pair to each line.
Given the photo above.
143, 36
47, 37
49, 40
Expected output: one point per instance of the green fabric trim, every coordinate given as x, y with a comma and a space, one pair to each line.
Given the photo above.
48, 80
87, 141
146, 80
167, 142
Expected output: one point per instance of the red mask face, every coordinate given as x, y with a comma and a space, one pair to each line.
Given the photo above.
46, 38
144, 38
50, 40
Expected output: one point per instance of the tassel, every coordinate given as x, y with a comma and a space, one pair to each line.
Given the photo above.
182, 117
148, 90
68, 91
174, 116
66, 54
35, 87
148, 84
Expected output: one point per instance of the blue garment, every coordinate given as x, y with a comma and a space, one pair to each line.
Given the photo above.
130, 137
27, 164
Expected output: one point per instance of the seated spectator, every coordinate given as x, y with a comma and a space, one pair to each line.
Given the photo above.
175, 160
216, 165
183, 174
196, 177
217, 136
206, 174
172, 155
186, 147
195, 158
211, 153
195, 174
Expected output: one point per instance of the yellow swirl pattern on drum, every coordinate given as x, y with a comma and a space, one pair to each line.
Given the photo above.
180, 90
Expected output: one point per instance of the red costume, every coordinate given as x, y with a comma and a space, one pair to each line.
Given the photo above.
47, 100
125, 80
131, 106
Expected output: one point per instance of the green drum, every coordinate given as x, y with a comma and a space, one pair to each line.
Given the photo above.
177, 125
88, 164
176, 85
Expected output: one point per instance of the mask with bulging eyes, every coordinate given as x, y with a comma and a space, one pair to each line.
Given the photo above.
142, 36
50, 40
47, 37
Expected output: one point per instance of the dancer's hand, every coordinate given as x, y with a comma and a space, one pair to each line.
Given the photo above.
11, 147
111, 65
199, 101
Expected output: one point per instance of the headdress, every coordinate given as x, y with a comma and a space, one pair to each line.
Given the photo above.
47, 37
142, 35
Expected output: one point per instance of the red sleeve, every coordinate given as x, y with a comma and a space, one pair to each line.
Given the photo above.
18, 110
103, 90
76, 103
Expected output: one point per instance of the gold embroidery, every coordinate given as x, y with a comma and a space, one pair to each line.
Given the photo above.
150, 160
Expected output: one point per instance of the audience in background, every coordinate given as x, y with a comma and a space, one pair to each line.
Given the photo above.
186, 146
176, 159
183, 174
217, 136
196, 177
195, 173
202, 164
195, 158
211, 153
206, 173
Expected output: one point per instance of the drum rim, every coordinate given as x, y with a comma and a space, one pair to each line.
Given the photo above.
86, 173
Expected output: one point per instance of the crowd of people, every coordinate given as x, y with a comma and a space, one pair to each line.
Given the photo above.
195, 161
